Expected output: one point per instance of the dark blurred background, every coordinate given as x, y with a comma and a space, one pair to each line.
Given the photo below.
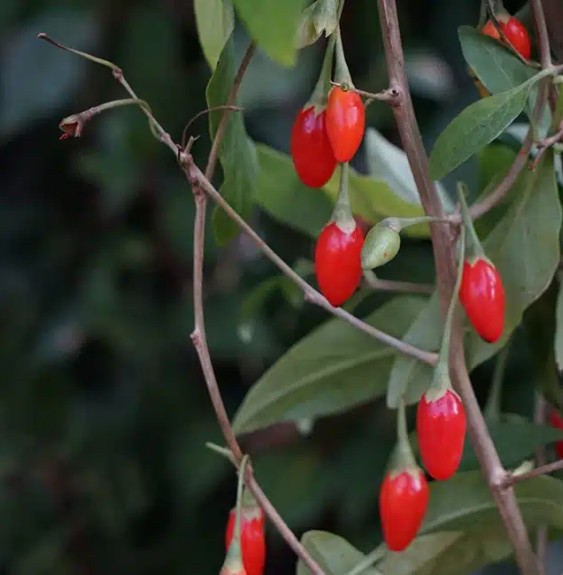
103, 409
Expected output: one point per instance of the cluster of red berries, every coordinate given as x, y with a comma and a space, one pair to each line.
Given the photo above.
515, 33
319, 140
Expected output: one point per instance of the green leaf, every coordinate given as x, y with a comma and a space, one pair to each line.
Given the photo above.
281, 193
464, 502
237, 155
515, 439
272, 25
559, 329
477, 126
215, 22
443, 553
331, 369
524, 246
284, 197
321, 16
55, 76
410, 377
333, 553
495, 65
390, 164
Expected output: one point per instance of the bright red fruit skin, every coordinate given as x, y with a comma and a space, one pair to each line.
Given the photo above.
557, 421
345, 123
440, 426
252, 538
518, 36
338, 263
311, 151
515, 32
403, 500
482, 295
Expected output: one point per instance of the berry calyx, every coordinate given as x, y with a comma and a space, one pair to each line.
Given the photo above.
515, 33
252, 537
483, 298
557, 421
345, 122
310, 148
403, 500
440, 426
338, 262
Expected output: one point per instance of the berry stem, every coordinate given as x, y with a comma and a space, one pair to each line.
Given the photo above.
474, 247
398, 224
319, 97
240, 486
342, 73
342, 213
403, 457
493, 406
441, 380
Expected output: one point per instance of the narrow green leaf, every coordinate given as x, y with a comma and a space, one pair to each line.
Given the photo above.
333, 553
389, 163
215, 21
237, 155
494, 64
409, 377
478, 125
464, 502
281, 193
331, 369
272, 24
287, 199
515, 439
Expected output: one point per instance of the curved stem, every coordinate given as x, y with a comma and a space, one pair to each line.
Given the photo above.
492, 408
342, 213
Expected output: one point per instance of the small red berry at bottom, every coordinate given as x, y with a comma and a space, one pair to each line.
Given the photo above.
557, 421
310, 147
403, 500
338, 264
482, 296
440, 426
252, 538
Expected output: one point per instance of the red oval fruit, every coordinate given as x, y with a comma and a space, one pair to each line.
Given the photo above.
440, 426
557, 421
515, 33
403, 500
482, 296
345, 123
252, 538
338, 262
311, 151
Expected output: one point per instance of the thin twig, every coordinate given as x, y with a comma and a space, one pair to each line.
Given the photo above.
389, 96
197, 178
445, 275
544, 145
377, 284
536, 472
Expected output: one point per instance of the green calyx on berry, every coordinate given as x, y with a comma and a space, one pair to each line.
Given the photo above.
342, 213
381, 245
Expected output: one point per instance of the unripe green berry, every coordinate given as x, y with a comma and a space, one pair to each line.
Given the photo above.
381, 245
